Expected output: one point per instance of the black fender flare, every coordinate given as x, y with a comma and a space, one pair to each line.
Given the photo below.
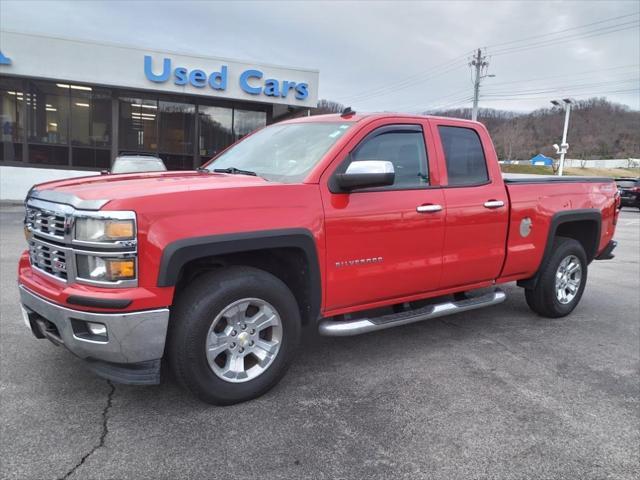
561, 218
180, 252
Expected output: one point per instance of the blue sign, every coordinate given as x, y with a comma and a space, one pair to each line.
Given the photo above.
250, 80
4, 60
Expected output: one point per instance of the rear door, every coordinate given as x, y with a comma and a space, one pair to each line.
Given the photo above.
476, 202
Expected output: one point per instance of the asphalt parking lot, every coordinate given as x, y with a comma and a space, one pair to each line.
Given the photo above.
495, 393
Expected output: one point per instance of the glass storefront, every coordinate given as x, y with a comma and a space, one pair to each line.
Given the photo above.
60, 124
216, 130
11, 120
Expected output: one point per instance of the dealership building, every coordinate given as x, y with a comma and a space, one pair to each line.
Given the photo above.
69, 107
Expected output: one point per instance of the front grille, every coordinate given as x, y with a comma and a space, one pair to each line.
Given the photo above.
47, 222
48, 258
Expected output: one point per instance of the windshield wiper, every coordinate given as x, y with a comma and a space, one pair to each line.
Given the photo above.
234, 171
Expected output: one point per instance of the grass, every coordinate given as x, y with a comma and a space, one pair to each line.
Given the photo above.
585, 172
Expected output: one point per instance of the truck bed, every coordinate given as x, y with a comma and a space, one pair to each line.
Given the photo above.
536, 200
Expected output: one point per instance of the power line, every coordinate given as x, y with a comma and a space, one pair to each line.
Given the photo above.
535, 79
558, 88
563, 31
569, 38
633, 91
455, 64
393, 88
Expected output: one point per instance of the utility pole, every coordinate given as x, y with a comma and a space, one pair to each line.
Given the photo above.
480, 64
564, 146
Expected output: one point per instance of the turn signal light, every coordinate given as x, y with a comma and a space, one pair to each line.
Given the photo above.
119, 229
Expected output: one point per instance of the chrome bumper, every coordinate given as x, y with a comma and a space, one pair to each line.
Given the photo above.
132, 337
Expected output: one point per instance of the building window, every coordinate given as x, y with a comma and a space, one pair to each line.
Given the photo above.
48, 112
177, 123
91, 117
138, 130
246, 121
90, 127
11, 120
216, 130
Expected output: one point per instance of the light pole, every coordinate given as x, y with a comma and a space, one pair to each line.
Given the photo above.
564, 146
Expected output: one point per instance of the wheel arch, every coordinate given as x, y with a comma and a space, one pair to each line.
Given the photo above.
583, 225
289, 254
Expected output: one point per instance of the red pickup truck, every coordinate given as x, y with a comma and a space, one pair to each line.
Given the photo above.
345, 223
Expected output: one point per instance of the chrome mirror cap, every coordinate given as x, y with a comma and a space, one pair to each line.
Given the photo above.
369, 166
365, 174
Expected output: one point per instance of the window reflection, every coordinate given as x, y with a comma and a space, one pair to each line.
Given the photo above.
246, 121
138, 124
48, 112
176, 127
91, 118
216, 130
11, 121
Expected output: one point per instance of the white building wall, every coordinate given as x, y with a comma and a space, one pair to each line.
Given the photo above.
15, 182
611, 163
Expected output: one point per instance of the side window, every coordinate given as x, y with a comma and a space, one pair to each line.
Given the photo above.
464, 156
405, 149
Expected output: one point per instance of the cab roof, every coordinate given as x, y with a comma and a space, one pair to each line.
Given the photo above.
357, 117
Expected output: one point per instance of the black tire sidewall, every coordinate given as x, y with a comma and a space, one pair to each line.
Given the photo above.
196, 311
564, 248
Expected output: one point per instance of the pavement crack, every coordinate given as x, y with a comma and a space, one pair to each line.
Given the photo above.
103, 434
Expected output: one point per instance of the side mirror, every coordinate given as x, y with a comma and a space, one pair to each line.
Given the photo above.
366, 174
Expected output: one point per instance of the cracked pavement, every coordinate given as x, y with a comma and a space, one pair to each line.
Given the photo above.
493, 393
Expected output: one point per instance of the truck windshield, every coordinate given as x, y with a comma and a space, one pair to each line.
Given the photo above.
283, 153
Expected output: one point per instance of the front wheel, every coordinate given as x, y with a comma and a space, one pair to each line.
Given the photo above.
233, 334
562, 280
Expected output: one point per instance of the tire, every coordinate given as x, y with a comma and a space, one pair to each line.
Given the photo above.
547, 299
218, 298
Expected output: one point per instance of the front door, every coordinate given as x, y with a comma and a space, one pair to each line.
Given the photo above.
385, 243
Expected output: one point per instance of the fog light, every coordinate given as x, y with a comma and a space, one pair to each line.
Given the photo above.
97, 329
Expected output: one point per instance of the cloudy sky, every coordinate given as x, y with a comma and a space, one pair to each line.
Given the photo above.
383, 55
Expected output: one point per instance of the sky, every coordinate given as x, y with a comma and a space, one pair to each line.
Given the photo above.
407, 56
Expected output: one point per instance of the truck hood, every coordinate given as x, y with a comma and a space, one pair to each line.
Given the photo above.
93, 191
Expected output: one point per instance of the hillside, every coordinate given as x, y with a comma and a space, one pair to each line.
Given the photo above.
598, 129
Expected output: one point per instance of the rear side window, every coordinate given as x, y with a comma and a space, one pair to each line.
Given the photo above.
405, 149
464, 156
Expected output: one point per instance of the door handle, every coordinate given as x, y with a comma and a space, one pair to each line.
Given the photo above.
428, 208
493, 204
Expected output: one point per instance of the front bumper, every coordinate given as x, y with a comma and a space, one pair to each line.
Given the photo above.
135, 340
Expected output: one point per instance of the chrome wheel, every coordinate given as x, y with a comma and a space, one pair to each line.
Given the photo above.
568, 278
243, 340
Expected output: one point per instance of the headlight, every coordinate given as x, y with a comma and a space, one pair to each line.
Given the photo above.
104, 269
101, 229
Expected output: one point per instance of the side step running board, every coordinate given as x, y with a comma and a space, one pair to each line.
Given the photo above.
333, 328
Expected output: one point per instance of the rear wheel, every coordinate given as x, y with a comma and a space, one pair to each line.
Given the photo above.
562, 280
233, 334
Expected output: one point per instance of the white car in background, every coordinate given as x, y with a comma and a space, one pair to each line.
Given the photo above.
133, 163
